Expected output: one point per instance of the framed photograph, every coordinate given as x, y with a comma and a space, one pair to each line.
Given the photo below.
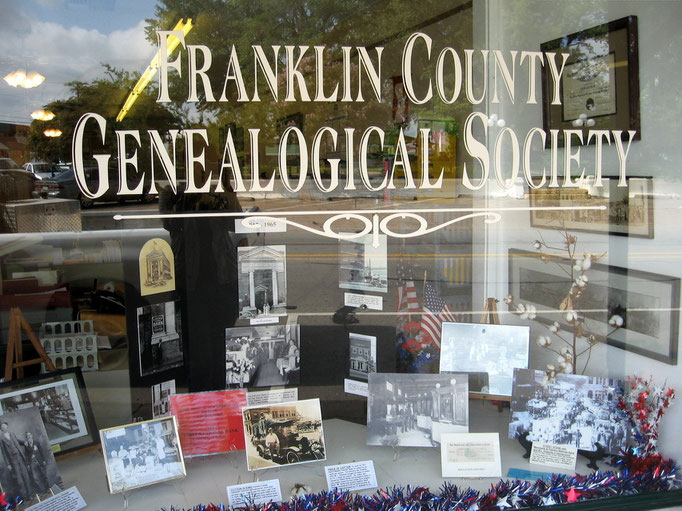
599, 86
629, 210
493, 349
159, 334
28, 467
363, 355
161, 393
262, 356
413, 410
572, 410
283, 434
648, 302
62, 400
142, 453
362, 266
262, 281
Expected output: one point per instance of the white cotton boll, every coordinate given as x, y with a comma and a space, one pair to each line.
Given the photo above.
589, 123
501, 123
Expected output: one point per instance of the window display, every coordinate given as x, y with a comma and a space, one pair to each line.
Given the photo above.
431, 250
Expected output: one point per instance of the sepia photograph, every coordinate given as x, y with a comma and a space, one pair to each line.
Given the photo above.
412, 410
362, 266
159, 335
28, 468
283, 434
59, 408
262, 281
142, 453
363, 356
571, 410
485, 348
262, 356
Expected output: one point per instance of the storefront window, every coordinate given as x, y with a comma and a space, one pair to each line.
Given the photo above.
246, 241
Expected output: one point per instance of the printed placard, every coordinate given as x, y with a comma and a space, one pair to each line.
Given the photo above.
470, 455
261, 492
68, 500
264, 320
554, 455
351, 476
372, 302
253, 225
359, 388
269, 397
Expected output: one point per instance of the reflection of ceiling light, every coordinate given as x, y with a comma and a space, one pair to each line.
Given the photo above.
42, 115
52, 133
20, 78
153, 66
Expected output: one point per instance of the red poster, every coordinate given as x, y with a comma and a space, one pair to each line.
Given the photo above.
210, 422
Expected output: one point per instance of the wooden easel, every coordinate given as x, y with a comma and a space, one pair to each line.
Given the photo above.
15, 357
490, 316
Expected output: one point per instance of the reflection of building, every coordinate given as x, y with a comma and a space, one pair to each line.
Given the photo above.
262, 280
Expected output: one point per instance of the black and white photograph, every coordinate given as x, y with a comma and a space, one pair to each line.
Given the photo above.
59, 408
142, 453
262, 281
28, 468
363, 356
413, 410
262, 356
571, 410
159, 335
161, 393
363, 266
283, 434
485, 348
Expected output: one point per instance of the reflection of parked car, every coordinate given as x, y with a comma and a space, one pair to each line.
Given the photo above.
63, 186
15, 183
292, 448
41, 169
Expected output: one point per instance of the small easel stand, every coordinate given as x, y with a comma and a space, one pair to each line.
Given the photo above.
490, 316
15, 358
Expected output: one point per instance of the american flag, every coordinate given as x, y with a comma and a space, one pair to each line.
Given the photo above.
406, 296
435, 312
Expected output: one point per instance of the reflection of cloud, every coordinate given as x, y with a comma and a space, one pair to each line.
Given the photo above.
64, 54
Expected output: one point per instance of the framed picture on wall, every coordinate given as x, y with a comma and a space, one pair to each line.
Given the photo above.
599, 86
628, 210
647, 302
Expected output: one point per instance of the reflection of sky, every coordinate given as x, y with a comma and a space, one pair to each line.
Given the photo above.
66, 40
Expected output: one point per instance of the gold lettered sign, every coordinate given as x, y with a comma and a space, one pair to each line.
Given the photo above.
157, 267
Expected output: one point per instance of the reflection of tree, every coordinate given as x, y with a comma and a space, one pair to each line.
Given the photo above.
104, 96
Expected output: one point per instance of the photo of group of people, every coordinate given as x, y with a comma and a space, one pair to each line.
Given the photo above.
28, 468
142, 453
572, 410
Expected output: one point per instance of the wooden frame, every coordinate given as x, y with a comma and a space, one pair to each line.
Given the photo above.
648, 302
599, 86
82, 411
629, 209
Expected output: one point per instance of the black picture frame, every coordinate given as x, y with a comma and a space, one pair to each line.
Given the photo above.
648, 302
35, 383
601, 74
629, 209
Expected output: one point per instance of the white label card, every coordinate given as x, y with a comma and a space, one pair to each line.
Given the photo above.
359, 388
68, 500
470, 455
264, 320
372, 302
554, 455
269, 397
248, 225
262, 492
351, 476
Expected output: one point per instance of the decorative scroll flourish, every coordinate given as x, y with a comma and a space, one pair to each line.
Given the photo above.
375, 226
